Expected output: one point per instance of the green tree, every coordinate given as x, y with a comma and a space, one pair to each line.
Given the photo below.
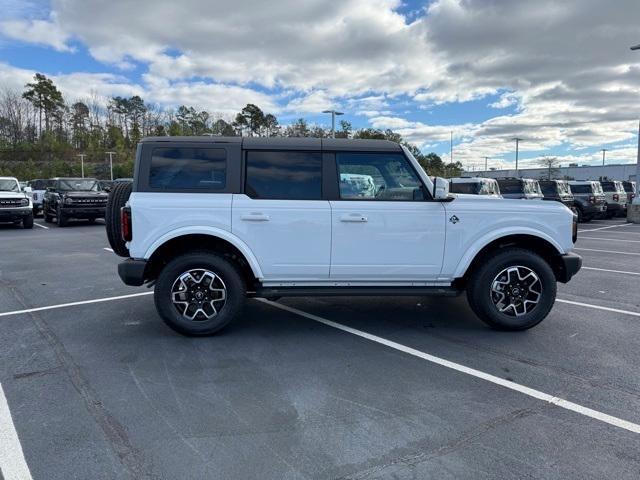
45, 97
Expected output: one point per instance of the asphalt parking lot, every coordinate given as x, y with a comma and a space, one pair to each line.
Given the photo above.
312, 388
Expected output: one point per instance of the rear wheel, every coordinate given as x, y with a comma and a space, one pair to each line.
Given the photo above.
27, 222
117, 199
199, 293
512, 290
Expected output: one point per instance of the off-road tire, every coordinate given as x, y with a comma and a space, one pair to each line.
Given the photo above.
61, 220
118, 197
225, 269
480, 283
27, 222
47, 218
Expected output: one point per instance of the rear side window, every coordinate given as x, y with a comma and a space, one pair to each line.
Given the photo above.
284, 175
581, 188
186, 168
548, 188
510, 186
608, 186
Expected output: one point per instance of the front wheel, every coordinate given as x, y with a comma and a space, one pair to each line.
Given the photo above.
61, 220
199, 293
512, 290
27, 222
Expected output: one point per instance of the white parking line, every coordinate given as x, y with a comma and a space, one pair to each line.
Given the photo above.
612, 271
607, 251
41, 226
12, 462
574, 407
604, 228
108, 249
609, 239
73, 304
599, 307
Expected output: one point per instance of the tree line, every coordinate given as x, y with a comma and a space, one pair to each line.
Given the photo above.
42, 133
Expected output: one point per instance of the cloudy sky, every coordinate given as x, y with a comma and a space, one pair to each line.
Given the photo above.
559, 74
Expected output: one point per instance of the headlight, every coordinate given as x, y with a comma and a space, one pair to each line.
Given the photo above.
68, 201
24, 202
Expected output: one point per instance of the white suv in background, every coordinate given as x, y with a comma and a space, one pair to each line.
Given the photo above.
15, 205
212, 220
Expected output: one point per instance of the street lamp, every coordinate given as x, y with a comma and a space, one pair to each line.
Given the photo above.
636, 200
604, 150
518, 140
81, 155
485, 164
333, 120
111, 162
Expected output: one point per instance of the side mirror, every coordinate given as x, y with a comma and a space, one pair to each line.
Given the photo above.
441, 189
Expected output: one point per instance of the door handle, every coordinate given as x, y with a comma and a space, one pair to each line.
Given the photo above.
255, 217
354, 217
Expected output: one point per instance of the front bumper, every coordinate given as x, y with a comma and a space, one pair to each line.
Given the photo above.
13, 214
82, 212
571, 264
132, 271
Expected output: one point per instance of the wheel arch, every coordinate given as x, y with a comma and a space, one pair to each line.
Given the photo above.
219, 241
548, 249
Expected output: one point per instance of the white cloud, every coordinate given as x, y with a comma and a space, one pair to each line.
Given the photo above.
41, 32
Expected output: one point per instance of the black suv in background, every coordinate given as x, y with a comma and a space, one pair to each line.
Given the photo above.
589, 199
523, 188
559, 191
68, 198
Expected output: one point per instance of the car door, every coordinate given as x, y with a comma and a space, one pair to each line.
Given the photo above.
385, 228
282, 216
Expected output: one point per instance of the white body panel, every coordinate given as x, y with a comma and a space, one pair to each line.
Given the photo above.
482, 219
290, 238
383, 241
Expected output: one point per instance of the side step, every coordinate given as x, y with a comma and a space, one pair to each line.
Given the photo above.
267, 292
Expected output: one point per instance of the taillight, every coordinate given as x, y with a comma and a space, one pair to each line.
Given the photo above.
616, 197
592, 199
125, 224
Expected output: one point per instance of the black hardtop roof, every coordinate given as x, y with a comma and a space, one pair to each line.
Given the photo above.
73, 178
286, 143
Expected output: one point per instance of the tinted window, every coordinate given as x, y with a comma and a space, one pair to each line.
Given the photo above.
510, 186
79, 184
188, 168
608, 186
548, 188
581, 188
37, 184
377, 176
469, 187
284, 175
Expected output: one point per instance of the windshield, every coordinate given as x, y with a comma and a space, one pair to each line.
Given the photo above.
37, 184
79, 185
9, 185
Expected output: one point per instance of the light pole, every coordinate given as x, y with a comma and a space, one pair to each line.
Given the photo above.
485, 165
81, 155
634, 212
604, 151
518, 140
451, 147
111, 162
333, 113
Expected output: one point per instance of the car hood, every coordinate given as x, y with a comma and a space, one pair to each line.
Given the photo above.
13, 195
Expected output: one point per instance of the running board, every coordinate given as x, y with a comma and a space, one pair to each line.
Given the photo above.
268, 292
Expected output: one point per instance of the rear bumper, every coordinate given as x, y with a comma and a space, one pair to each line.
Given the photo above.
571, 264
131, 271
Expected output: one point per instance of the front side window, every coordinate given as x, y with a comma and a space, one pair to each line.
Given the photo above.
79, 185
284, 175
188, 168
9, 185
377, 176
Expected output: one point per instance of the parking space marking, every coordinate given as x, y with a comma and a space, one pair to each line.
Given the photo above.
604, 228
41, 226
72, 304
560, 402
609, 239
612, 271
599, 307
12, 462
108, 249
607, 251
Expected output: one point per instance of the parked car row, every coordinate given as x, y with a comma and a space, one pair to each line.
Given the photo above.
587, 198
16, 205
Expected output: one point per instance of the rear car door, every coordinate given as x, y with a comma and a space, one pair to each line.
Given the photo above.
385, 228
282, 216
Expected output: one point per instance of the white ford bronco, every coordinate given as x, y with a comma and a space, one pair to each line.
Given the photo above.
209, 221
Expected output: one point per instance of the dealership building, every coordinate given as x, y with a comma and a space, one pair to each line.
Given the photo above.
625, 171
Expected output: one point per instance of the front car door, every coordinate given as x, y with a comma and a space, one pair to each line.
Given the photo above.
282, 216
385, 228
